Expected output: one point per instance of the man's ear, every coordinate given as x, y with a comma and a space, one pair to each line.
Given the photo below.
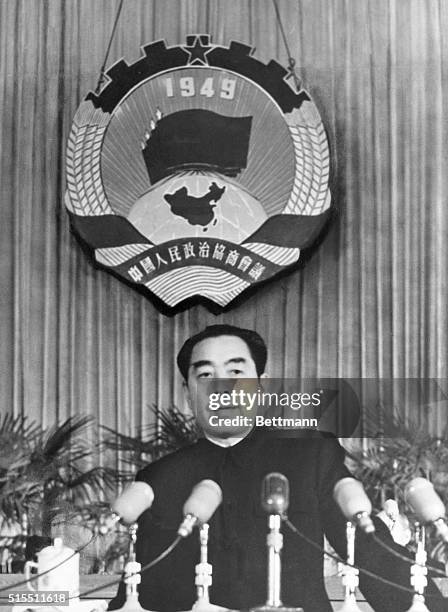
186, 392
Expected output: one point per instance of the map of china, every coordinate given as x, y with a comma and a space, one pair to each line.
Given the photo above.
196, 210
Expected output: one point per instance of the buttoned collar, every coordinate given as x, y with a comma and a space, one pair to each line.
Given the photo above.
242, 452
226, 442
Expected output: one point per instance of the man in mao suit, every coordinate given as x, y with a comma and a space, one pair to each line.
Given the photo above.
237, 459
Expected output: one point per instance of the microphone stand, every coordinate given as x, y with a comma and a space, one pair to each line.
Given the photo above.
204, 570
203, 580
274, 543
132, 576
419, 572
350, 575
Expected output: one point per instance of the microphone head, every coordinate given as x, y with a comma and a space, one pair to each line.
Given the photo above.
424, 501
203, 501
275, 493
134, 500
351, 498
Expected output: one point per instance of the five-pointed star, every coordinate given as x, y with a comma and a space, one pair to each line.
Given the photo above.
197, 52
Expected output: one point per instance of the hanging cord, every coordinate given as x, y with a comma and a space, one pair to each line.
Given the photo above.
37, 576
366, 572
102, 76
291, 60
146, 567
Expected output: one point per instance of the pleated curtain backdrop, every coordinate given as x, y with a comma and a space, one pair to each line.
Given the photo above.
371, 302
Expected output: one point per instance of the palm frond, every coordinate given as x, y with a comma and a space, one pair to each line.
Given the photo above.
404, 451
57, 467
171, 430
176, 429
59, 437
135, 444
17, 435
99, 478
10, 424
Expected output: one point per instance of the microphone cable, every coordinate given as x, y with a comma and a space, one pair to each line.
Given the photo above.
294, 529
146, 567
389, 549
36, 576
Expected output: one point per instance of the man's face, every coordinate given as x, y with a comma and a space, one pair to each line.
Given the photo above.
223, 357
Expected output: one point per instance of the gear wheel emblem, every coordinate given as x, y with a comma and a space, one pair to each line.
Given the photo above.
197, 172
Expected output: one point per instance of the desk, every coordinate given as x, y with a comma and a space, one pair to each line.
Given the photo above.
87, 582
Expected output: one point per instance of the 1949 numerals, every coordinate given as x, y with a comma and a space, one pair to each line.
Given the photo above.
189, 86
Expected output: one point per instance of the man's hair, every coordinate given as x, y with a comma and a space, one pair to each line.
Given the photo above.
254, 341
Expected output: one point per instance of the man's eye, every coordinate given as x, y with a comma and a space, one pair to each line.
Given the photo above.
236, 372
204, 375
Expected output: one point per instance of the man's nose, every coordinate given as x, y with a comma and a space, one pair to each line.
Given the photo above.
222, 385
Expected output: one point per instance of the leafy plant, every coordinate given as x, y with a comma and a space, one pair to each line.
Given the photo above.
17, 436
41, 470
172, 430
176, 430
390, 462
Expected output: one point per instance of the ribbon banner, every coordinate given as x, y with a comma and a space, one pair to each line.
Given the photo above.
197, 172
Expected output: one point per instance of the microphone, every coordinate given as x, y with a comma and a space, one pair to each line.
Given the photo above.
275, 493
275, 501
427, 505
351, 498
134, 500
200, 506
128, 506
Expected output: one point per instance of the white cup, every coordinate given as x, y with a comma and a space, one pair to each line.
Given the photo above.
64, 577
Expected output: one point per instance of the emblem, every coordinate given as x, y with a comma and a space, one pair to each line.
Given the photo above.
197, 172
